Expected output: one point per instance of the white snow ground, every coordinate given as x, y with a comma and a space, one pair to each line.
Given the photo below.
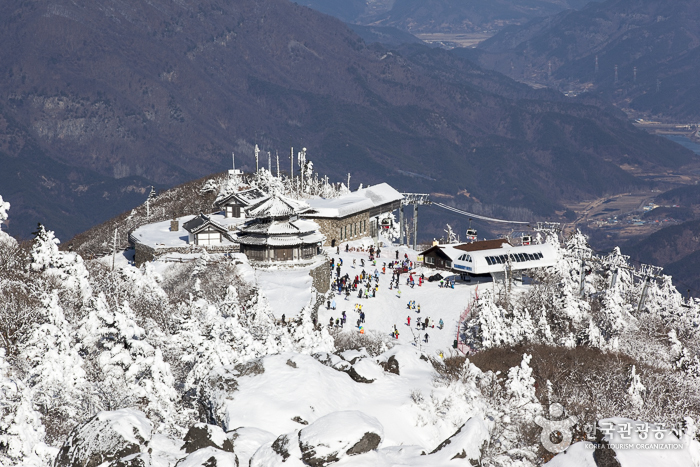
287, 291
415, 414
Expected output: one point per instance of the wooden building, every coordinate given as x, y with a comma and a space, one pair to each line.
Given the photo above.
445, 256
203, 230
276, 233
234, 204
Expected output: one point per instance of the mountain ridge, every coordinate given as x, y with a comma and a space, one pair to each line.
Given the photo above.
166, 91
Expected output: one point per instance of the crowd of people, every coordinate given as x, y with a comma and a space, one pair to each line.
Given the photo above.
365, 285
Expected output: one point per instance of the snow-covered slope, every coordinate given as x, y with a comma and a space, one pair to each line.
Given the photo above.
189, 363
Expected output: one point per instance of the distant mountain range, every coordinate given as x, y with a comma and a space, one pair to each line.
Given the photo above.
441, 16
126, 93
660, 39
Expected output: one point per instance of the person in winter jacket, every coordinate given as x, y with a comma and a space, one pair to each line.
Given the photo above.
441, 324
409, 319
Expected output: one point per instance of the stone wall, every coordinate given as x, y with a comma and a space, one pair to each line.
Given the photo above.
331, 228
144, 253
321, 281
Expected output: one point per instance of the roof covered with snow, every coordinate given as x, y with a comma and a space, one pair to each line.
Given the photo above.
248, 197
159, 235
352, 203
277, 206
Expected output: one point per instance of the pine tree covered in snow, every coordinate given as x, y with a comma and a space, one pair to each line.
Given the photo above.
21, 430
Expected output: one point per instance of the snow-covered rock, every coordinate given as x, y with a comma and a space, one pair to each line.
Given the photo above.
246, 441
108, 436
203, 435
209, 457
337, 435
283, 451
467, 443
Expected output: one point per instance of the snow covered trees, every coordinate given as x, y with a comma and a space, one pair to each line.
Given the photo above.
126, 368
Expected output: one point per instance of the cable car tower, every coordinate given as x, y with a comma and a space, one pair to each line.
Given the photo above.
414, 199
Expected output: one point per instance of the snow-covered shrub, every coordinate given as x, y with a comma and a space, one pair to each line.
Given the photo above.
21, 431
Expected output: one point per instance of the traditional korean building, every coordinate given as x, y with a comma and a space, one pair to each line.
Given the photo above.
203, 230
276, 233
235, 203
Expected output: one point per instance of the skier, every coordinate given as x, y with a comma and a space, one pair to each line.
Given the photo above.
330, 322
333, 304
397, 254
418, 310
379, 253
283, 318
426, 337
347, 247
441, 324
409, 320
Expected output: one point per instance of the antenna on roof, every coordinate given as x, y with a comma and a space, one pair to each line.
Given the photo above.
233, 161
291, 165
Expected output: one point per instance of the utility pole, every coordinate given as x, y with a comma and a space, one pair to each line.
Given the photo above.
349, 182
257, 156
269, 162
291, 164
114, 248
401, 227
415, 227
233, 161
278, 163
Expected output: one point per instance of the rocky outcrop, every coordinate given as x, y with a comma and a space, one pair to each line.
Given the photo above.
209, 457
203, 435
107, 437
337, 435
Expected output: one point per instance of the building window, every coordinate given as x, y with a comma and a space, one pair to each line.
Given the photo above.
430, 260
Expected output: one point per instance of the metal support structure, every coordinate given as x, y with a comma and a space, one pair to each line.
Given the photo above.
414, 199
415, 227
647, 272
